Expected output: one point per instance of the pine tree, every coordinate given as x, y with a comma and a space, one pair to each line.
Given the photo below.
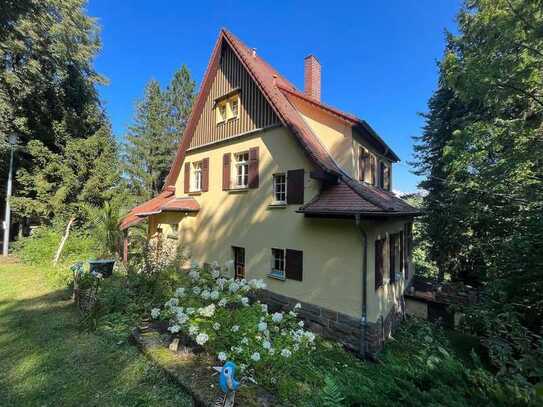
153, 140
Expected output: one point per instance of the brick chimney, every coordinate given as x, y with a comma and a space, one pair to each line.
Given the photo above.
312, 77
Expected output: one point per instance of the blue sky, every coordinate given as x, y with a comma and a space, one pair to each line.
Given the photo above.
378, 58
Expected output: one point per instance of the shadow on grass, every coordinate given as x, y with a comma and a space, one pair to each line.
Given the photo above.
48, 360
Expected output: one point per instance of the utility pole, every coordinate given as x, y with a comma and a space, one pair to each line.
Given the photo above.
7, 217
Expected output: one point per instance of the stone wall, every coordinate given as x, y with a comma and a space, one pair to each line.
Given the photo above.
334, 325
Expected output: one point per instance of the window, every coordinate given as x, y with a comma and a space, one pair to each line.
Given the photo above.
239, 262
384, 175
227, 108
373, 169
242, 170
363, 157
196, 177
280, 188
278, 263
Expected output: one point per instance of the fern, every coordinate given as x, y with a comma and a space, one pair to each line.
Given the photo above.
331, 395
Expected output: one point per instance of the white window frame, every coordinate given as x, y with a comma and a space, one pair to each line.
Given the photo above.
233, 99
277, 193
275, 260
196, 179
241, 170
222, 116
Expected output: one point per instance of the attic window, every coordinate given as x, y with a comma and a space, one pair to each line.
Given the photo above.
227, 107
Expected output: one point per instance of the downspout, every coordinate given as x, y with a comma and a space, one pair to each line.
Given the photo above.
364, 316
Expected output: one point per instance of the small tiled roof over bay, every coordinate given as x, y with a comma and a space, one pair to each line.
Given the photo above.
163, 202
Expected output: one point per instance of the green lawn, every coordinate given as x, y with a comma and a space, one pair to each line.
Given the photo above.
47, 360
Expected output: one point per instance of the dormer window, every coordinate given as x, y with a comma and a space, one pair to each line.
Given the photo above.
227, 107
384, 175
367, 166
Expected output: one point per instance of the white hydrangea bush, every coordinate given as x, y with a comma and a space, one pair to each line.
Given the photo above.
216, 313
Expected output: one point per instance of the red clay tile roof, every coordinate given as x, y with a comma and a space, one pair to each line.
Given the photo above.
347, 198
160, 203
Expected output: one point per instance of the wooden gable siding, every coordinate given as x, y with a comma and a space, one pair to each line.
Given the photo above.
254, 110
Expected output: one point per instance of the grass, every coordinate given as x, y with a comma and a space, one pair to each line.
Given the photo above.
47, 360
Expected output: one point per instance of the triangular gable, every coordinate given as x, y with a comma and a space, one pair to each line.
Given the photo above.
268, 82
255, 112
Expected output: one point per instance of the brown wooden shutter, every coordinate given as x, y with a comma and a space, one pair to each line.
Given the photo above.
381, 174
295, 186
253, 167
387, 177
372, 169
402, 253
226, 172
205, 175
187, 178
294, 266
392, 258
362, 164
379, 245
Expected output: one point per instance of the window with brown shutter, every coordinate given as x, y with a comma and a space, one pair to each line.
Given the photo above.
294, 264
373, 169
226, 172
392, 258
205, 174
187, 178
381, 174
402, 254
362, 164
386, 182
295, 187
253, 167
379, 262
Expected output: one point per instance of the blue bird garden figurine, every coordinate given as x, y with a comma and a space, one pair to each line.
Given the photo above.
228, 384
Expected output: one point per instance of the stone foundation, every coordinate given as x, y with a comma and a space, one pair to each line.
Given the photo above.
337, 326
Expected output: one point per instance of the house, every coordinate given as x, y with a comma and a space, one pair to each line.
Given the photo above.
294, 192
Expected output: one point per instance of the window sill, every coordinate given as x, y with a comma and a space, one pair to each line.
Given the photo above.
195, 193
277, 205
276, 277
238, 189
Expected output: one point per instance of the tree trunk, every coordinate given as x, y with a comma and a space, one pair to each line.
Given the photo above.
63, 241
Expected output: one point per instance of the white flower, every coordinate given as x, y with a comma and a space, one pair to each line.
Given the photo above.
221, 282
182, 318
271, 351
257, 284
233, 287
207, 311
196, 290
214, 295
266, 344
172, 302
244, 340
242, 366
310, 336
205, 294
286, 353
277, 317
215, 273
193, 330
180, 292
245, 301
262, 326
155, 313
174, 329
264, 308
235, 328
189, 311
223, 302
237, 349
255, 356
215, 265
202, 338
296, 347
292, 313
216, 326
222, 356
301, 324
194, 275
298, 306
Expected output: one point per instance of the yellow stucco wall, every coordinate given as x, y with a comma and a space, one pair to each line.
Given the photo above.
332, 269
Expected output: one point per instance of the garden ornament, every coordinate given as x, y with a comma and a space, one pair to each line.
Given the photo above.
227, 383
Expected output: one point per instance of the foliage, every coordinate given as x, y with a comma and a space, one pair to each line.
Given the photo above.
331, 395
153, 139
481, 154
60, 184
104, 224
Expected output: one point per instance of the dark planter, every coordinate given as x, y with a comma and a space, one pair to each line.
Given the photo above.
105, 267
